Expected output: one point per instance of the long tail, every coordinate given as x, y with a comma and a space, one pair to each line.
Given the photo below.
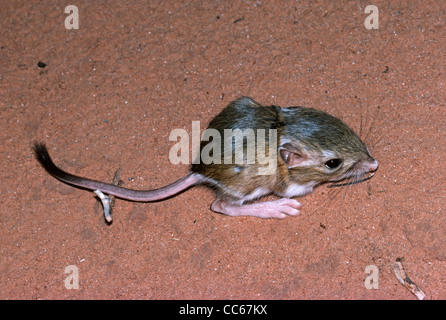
182, 184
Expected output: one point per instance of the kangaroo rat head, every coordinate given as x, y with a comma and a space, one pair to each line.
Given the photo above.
317, 147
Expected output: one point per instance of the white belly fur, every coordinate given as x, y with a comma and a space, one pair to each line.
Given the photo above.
298, 190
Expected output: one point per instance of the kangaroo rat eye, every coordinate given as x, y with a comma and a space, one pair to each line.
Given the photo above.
333, 163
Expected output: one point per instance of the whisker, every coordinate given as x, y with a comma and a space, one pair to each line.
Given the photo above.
355, 181
361, 123
334, 193
369, 130
377, 140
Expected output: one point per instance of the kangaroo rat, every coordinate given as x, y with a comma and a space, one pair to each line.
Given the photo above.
312, 148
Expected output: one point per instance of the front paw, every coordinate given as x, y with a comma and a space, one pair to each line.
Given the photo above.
281, 208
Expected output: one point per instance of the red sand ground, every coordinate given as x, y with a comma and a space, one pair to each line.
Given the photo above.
113, 90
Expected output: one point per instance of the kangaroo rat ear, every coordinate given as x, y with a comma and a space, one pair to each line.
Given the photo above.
290, 156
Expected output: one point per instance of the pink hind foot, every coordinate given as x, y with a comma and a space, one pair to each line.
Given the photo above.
278, 209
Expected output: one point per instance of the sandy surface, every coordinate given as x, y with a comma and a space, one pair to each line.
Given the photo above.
111, 92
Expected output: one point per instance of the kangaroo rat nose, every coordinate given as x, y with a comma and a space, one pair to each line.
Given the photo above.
373, 166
